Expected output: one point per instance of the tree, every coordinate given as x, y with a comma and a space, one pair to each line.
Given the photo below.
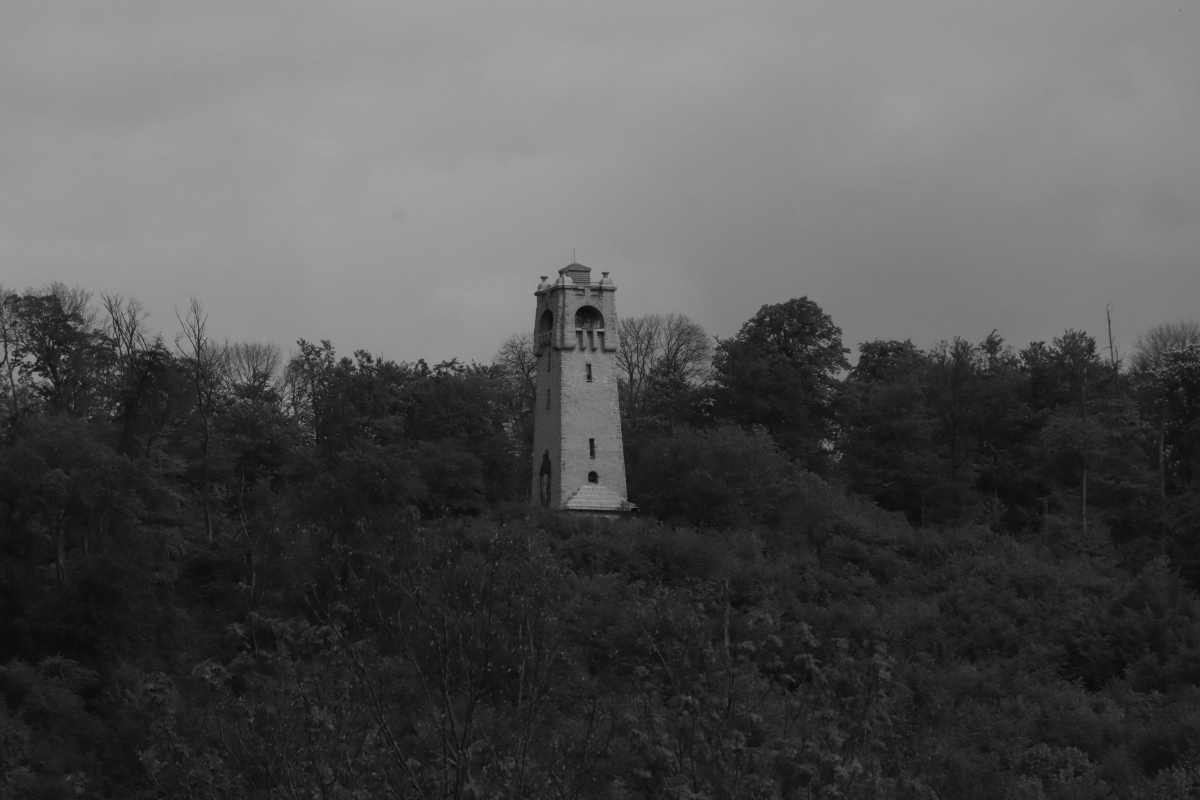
664, 362
8, 346
721, 478
1160, 370
142, 387
254, 369
952, 390
684, 351
59, 349
1150, 347
464, 410
637, 353
1084, 437
780, 371
1080, 362
887, 444
517, 363
207, 366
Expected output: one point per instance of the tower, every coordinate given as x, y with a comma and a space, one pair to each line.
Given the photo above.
578, 460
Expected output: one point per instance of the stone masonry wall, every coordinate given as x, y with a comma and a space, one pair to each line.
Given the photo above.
579, 410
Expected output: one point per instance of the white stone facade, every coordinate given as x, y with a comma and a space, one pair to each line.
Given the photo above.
577, 422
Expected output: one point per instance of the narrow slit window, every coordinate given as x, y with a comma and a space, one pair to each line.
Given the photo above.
547, 399
589, 373
592, 448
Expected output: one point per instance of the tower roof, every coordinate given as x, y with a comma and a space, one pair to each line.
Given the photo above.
577, 272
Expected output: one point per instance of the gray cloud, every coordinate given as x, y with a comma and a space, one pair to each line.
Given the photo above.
396, 177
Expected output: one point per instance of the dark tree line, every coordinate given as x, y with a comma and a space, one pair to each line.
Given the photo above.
962, 572
1050, 435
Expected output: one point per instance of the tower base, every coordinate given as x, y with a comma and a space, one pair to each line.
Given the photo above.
593, 498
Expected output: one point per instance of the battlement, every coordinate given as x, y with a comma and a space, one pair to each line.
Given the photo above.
574, 314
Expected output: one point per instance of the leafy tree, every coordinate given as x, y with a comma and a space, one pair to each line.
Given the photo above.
1167, 383
58, 349
780, 372
1091, 438
722, 478
467, 409
1165, 374
953, 392
887, 444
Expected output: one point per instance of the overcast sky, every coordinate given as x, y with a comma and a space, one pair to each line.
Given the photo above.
396, 176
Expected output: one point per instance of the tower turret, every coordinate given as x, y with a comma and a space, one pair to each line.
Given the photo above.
578, 458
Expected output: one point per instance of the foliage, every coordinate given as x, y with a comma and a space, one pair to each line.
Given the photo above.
723, 478
226, 574
780, 372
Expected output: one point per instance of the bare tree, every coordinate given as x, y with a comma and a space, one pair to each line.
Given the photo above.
637, 353
1150, 347
254, 367
8, 343
208, 372
517, 358
684, 351
75, 301
137, 358
656, 347
126, 324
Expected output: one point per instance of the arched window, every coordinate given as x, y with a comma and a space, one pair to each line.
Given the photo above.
587, 318
589, 328
593, 477
544, 328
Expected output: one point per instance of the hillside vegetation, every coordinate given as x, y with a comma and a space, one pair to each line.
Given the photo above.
968, 572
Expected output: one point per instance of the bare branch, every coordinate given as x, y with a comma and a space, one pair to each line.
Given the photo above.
254, 367
1150, 347
517, 358
684, 350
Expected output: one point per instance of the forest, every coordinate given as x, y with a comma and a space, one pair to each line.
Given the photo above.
229, 572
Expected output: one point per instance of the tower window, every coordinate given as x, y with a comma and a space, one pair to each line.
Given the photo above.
592, 448
593, 477
547, 399
589, 318
589, 373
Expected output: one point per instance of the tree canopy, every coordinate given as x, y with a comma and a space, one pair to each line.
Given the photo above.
226, 572
780, 371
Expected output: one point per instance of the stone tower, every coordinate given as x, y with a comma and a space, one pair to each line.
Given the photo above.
578, 461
